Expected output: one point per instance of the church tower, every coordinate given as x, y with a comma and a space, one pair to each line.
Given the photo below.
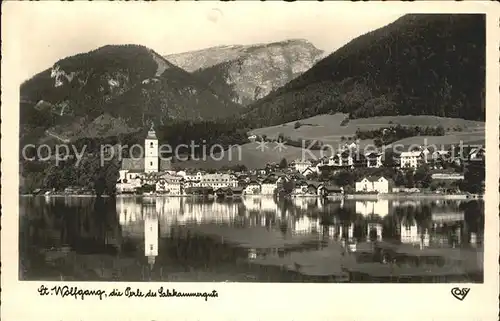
151, 151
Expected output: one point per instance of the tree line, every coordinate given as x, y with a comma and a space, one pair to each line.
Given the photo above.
386, 136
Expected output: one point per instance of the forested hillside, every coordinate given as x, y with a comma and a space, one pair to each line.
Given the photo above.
422, 64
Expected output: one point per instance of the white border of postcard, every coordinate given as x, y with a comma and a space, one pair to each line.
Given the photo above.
236, 301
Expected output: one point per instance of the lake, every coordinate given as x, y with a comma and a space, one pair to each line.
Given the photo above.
253, 239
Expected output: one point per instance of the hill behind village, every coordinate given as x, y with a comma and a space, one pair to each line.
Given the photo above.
425, 64
114, 89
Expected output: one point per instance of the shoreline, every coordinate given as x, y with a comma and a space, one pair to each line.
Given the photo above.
390, 196
395, 196
434, 196
63, 195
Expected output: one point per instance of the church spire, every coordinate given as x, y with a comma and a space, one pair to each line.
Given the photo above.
151, 132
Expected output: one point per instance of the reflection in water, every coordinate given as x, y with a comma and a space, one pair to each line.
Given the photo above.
86, 238
379, 207
151, 228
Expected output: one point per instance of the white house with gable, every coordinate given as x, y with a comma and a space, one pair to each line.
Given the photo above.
412, 159
372, 184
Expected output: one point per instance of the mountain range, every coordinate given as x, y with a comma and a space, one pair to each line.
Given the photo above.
248, 73
425, 64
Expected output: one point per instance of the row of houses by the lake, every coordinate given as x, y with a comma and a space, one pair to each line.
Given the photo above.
154, 175
351, 157
221, 184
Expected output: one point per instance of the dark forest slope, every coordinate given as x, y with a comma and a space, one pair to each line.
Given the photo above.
129, 83
422, 64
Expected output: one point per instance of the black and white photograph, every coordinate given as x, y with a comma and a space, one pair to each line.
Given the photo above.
309, 146
277, 161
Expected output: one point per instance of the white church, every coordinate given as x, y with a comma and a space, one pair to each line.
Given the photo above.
136, 172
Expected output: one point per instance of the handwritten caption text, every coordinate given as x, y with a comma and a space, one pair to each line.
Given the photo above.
81, 293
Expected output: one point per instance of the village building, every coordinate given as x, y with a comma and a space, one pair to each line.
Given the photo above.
170, 184
129, 181
229, 192
301, 165
415, 158
242, 181
447, 176
374, 184
133, 171
349, 157
309, 171
191, 179
330, 190
216, 181
269, 185
411, 159
262, 171
253, 188
373, 160
313, 187
344, 159
301, 188
439, 158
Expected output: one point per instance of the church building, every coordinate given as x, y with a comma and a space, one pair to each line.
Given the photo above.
133, 169
151, 152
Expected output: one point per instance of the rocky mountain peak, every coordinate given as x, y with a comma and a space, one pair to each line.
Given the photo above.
246, 73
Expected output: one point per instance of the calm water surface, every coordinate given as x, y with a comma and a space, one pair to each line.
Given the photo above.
255, 239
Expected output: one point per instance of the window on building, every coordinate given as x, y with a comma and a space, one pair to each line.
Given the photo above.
151, 144
151, 247
151, 163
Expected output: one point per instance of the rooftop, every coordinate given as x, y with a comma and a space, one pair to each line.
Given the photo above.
372, 178
137, 164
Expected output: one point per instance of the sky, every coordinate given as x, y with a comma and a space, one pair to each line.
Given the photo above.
42, 33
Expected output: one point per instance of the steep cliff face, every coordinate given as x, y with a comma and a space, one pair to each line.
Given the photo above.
201, 59
130, 83
248, 73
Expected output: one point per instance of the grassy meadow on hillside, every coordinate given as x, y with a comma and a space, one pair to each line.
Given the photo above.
251, 157
328, 129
